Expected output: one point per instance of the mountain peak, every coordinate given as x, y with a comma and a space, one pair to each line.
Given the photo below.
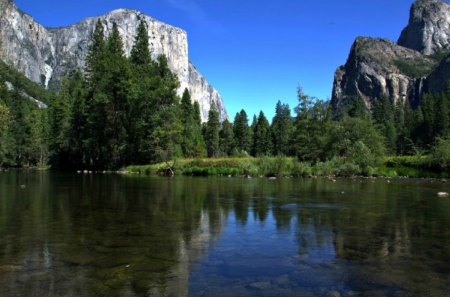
45, 55
428, 30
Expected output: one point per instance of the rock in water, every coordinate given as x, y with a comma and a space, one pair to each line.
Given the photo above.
443, 194
45, 55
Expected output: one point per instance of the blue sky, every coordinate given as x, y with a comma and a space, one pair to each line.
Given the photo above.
255, 52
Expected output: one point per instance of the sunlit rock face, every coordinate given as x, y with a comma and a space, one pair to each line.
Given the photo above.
428, 30
374, 71
378, 68
45, 55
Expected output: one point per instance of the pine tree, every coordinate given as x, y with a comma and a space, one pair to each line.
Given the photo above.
5, 117
282, 127
262, 138
427, 130
242, 132
442, 114
116, 107
62, 126
212, 132
312, 131
192, 143
384, 117
95, 60
164, 141
140, 53
227, 138
5, 122
197, 115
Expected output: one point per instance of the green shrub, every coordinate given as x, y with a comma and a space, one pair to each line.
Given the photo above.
440, 153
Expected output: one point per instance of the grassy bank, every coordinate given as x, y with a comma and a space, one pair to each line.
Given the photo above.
413, 166
284, 166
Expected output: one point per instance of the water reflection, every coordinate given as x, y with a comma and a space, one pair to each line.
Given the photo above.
109, 235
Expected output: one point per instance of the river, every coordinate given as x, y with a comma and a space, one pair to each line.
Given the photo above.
82, 235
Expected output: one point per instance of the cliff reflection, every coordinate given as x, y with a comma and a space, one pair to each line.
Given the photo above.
108, 235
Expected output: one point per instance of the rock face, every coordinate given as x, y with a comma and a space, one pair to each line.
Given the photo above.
378, 68
439, 79
428, 30
45, 55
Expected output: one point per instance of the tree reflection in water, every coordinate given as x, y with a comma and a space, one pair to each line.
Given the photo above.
110, 235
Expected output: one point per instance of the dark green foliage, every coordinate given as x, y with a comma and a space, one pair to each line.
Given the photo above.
23, 126
383, 114
226, 142
262, 138
242, 132
140, 53
121, 111
95, 60
358, 142
193, 144
354, 107
212, 130
311, 140
197, 115
5, 121
415, 67
9, 74
282, 129
440, 153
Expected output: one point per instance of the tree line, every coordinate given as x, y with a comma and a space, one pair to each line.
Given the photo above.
122, 110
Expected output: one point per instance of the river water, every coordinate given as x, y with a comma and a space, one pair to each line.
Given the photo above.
109, 235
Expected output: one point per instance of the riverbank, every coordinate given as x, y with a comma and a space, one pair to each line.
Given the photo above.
415, 167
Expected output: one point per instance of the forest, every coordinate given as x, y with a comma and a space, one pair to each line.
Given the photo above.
120, 111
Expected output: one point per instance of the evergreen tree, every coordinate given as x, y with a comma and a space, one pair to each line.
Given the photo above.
192, 143
282, 127
116, 104
312, 130
311, 138
400, 127
253, 125
384, 117
242, 132
354, 107
197, 114
142, 95
5, 121
164, 141
4, 118
227, 138
140, 53
60, 113
212, 130
95, 60
427, 129
442, 114
80, 137
262, 138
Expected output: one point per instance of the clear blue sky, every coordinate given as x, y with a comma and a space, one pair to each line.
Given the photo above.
255, 52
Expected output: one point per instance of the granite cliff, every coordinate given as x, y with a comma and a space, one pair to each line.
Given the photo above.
417, 63
45, 55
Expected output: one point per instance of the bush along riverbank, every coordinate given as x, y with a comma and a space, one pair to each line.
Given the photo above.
290, 167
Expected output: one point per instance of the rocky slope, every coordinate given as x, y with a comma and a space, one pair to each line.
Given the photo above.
44, 55
428, 30
404, 70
